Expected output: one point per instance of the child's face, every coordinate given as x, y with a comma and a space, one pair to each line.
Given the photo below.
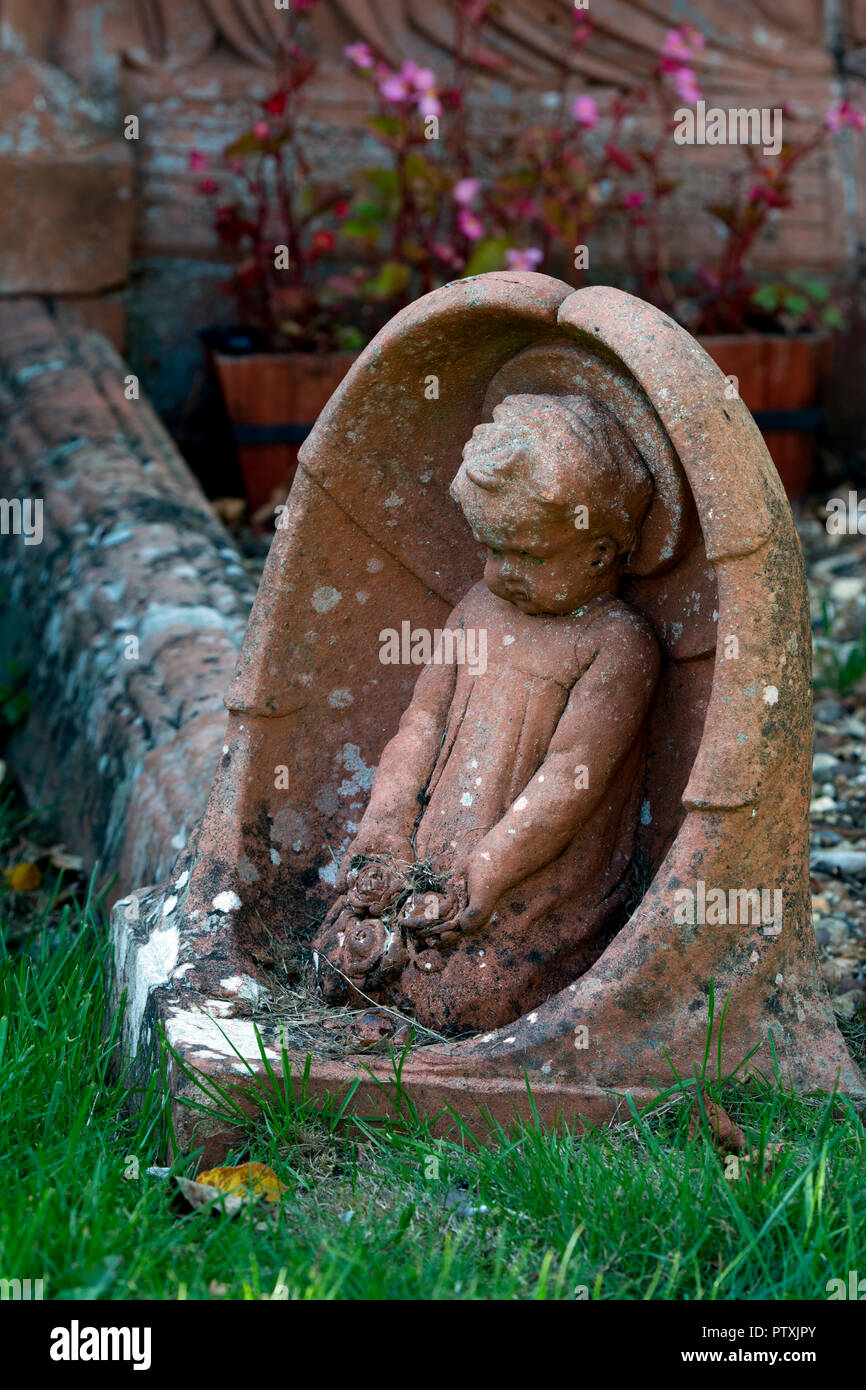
537, 562
544, 568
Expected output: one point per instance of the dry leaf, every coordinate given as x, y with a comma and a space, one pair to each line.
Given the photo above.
772, 1152
200, 1194
255, 1179
59, 859
727, 1137
24, 878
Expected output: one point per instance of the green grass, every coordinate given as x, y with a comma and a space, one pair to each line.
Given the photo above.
389, 1213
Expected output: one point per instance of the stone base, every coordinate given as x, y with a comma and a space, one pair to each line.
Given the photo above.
214, 1045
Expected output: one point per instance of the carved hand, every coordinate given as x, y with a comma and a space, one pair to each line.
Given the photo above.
375, 840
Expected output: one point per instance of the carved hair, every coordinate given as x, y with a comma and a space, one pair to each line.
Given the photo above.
592, 463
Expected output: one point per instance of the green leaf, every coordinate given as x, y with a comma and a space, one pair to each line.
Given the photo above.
833, 317
368, 211
488, 254
767, 297
420, 169
246, 144
368, 231
385, 125
393, 277
349, 338
796, 303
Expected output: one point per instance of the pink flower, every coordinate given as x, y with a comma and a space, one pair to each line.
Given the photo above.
422, 79
208, 186
693, 37
447, 254
470, 225
675, 46
360, 54
842, 113
686, 84
429, 104
261, 130
394, 87
633, 200
423, 83
585, 112
523, 257
464, 191
197, 161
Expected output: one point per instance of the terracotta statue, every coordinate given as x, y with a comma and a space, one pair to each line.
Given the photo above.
495, 856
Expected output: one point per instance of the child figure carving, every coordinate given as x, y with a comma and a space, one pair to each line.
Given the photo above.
496, 848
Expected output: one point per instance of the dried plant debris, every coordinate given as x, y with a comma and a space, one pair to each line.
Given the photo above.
299, 1020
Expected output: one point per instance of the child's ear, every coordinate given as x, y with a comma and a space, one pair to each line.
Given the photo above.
604, 552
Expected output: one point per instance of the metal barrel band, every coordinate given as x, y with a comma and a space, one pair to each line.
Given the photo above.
271, 434
808, 419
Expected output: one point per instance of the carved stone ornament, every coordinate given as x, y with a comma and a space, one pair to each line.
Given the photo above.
587, 837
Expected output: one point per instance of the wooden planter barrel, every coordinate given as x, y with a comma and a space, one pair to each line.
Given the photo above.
273, 399
779, 379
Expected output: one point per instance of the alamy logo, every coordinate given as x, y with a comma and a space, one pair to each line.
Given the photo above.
846, 516
738, 126
855, 1288
76, 1343
441, 647
714, 907
19, 518
22, 1289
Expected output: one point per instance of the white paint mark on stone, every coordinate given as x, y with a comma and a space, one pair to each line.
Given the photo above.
227, 901
244, 986
154, 962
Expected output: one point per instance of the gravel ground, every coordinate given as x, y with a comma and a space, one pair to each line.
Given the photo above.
836, 566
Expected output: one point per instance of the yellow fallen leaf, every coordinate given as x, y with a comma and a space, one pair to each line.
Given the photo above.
257, 1178
23, 878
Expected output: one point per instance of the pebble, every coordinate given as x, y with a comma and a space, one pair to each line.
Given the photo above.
823, 762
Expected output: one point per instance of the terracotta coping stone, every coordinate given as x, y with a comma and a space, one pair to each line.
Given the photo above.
122, 747
194, 952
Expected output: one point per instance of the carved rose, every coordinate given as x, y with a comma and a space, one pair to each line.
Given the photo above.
370, 948
373, 888
364, 947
